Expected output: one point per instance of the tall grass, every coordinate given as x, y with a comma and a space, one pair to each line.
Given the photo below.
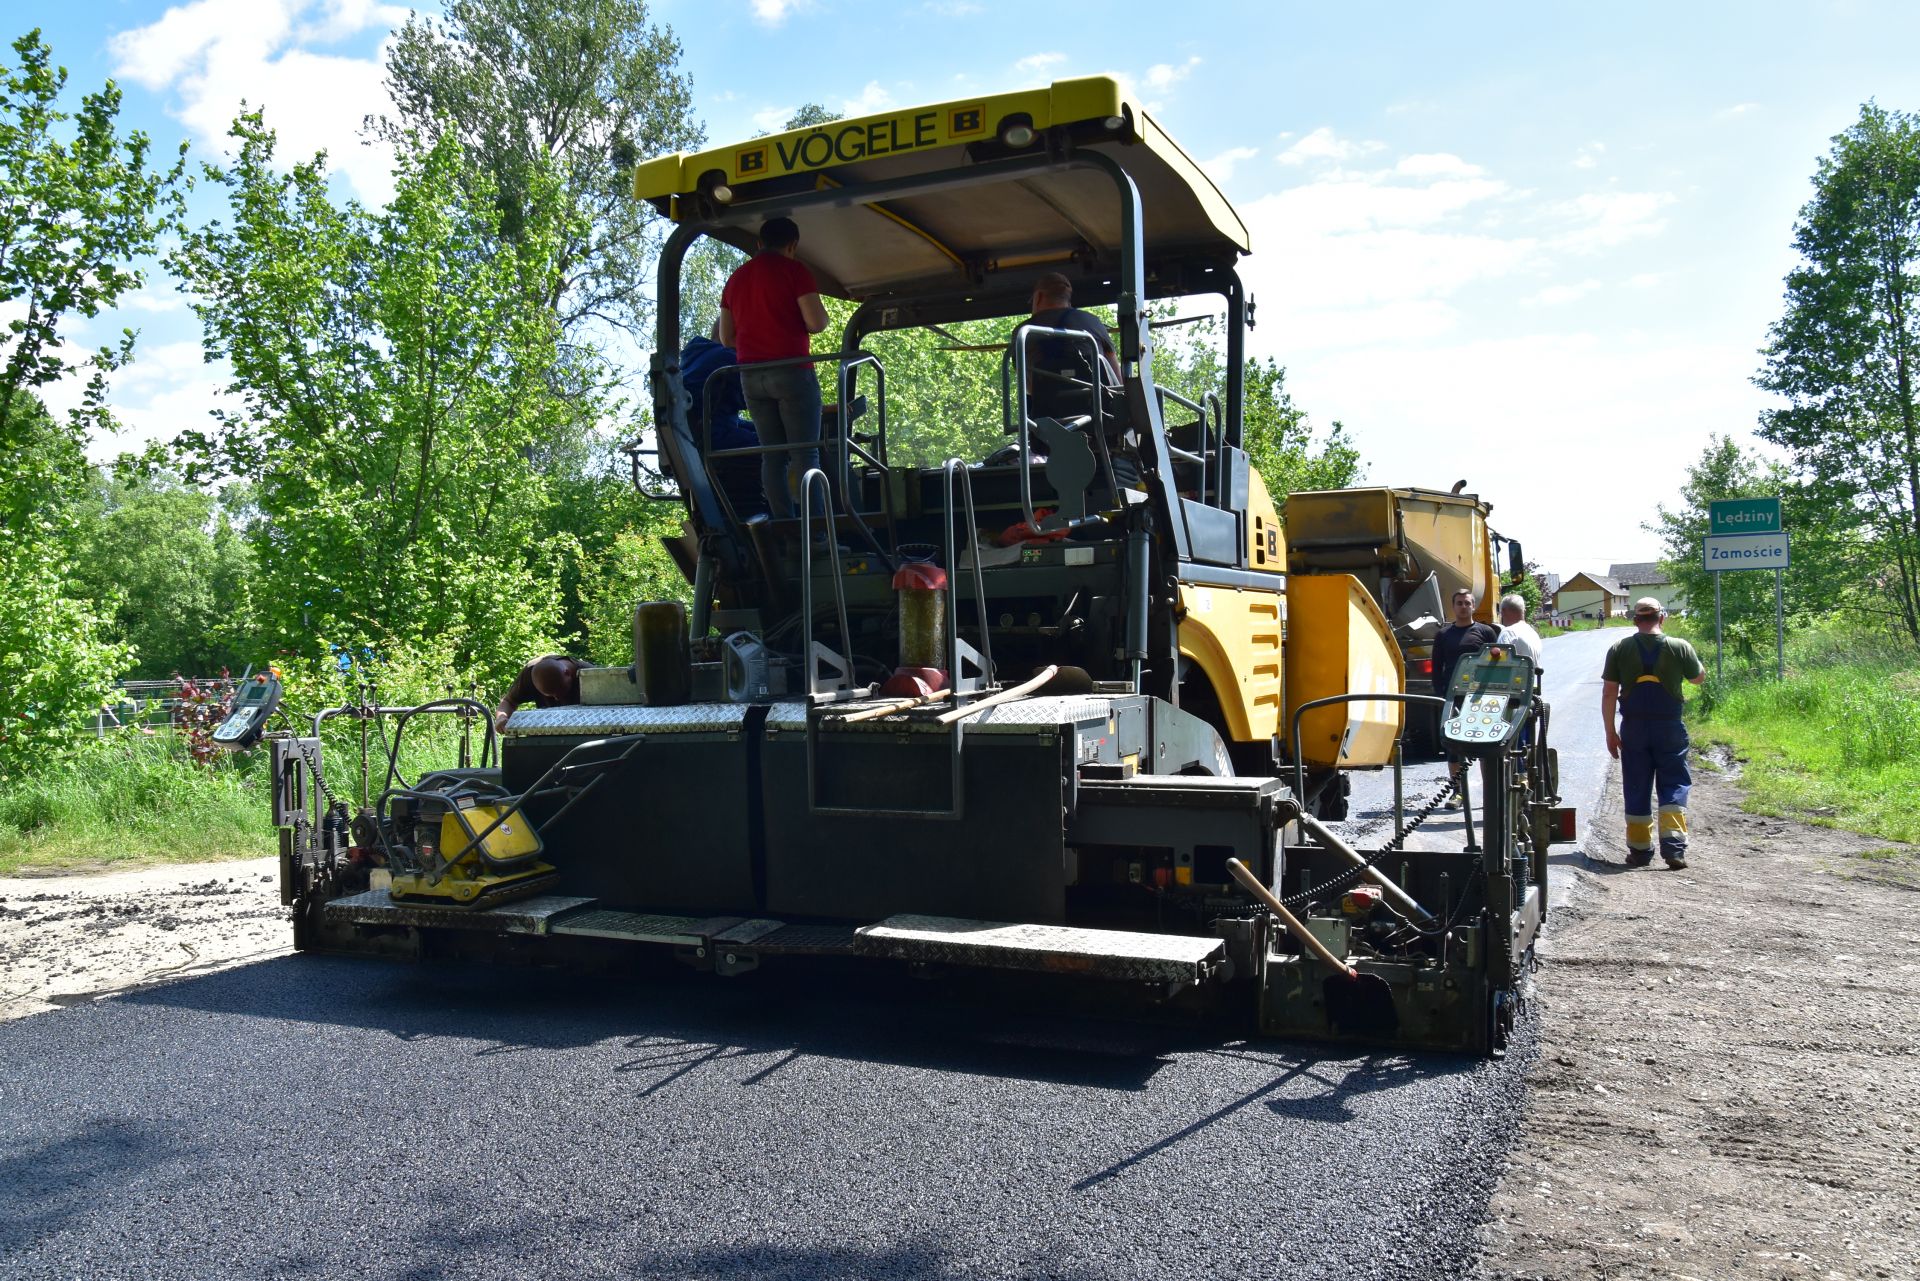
133, 799
1837, 740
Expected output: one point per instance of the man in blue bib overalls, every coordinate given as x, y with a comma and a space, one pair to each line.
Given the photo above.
1651, 740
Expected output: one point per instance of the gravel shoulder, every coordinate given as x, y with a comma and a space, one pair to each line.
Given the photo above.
1728, 1062
69, 939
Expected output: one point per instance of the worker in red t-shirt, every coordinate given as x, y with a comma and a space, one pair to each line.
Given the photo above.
768, 311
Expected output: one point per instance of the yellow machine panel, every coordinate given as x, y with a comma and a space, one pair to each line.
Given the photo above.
1338, 642
1234, 635
513, 839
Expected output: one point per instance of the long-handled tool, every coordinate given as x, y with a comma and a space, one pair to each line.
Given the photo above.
1243, 874
1007, 695
899, 705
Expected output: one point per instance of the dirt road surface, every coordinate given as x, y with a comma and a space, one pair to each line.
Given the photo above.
67, 939
1729, 1062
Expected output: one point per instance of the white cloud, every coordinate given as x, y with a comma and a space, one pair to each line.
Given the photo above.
1163, 76
872, 98
1405, 250
1588, 157
1439, 164
213, 55
1603, 220
1737, 110
1221, 167
1560, 295
773, 119
1646, 280
1039, 63
1324, 144
772, 13
1570, 406
153, 301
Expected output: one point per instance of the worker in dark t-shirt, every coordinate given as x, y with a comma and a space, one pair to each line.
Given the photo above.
549, 681
769, 311
1055, 364
1464, 636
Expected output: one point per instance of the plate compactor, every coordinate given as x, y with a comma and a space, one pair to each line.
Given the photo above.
1058, 711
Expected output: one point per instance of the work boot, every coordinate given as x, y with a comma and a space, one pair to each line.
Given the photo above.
1676, 860
1639, 858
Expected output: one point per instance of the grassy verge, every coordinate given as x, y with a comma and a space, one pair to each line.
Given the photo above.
1836, 742
129, 801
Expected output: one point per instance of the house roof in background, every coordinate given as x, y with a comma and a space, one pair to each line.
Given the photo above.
1601, 581
1638, 574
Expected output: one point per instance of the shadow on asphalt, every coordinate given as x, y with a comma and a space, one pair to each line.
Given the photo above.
1344, 1080
669, 1023
62, 1178
675, 1022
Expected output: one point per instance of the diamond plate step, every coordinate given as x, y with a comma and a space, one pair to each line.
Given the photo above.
636, 927
525, 916
1113, 954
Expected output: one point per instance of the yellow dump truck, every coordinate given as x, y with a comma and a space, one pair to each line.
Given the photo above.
1033, 712
1413, 549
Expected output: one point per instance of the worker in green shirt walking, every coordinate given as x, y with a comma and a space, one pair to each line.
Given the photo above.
1650, 741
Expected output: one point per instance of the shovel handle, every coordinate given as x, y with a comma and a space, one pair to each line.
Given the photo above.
1295, 926
1004, 696
899, 705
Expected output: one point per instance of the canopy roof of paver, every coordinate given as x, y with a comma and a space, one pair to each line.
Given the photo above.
933, 240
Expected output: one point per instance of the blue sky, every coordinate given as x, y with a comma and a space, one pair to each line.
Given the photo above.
1536, 247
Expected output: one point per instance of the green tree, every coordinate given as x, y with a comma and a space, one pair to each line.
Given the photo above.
1822, 564
544, 96
395, 371
79, 207
1279, 437
1844, 352
165, 559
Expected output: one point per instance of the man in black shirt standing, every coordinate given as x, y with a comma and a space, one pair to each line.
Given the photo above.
1465, 636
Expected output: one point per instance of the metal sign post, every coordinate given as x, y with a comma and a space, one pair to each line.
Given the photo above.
1746, 533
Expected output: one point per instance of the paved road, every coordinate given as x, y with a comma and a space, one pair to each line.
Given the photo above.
339, 1118
1571, 667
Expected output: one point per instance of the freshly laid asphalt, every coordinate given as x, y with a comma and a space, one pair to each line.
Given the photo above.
333, 1117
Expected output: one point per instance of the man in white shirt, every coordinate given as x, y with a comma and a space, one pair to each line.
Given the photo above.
1515, 630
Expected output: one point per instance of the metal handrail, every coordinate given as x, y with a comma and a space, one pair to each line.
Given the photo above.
1220, 436
806, 577
845, 451
1015, 398
1299, 766
1206, 436
979, 582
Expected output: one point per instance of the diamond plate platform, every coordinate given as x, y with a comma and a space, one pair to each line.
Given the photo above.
1021, 717
811, 940
526, 916
573, 722
636, 927
1113, 954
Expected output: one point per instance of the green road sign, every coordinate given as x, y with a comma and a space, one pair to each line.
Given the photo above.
1744, 516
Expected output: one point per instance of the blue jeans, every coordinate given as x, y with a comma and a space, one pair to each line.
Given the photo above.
1653, 761
784, 404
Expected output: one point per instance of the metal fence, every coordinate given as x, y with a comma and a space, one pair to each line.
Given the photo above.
152, 705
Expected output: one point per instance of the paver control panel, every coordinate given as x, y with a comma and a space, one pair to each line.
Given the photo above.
1491, 695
